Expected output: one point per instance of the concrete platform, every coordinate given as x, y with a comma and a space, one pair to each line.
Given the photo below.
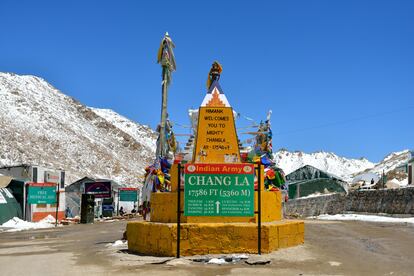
160, 239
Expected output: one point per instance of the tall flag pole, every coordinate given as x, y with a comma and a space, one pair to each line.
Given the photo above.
167, 60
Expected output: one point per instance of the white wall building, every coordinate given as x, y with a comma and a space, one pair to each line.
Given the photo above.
37, 174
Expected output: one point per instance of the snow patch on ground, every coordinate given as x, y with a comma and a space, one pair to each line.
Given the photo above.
16, 224
218, 261
317, 194
119, 243
369, 218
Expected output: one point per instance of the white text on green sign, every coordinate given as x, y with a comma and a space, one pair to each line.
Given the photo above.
128, 194
219, 190
41, 194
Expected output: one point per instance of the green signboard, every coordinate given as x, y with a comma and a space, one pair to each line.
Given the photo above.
128, 194
219, 190
39, 193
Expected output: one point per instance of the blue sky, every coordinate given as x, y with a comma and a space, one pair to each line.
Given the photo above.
338, 75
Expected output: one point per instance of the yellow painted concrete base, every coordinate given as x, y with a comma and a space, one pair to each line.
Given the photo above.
160, 239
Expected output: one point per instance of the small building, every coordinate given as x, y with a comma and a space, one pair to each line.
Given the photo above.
75, 190
308, 180
26, 176
402, 168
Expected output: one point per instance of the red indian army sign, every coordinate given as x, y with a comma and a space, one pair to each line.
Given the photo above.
219, 190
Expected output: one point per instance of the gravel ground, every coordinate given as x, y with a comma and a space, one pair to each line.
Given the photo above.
331, 248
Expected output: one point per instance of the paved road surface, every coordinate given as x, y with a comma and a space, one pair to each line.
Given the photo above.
331, 248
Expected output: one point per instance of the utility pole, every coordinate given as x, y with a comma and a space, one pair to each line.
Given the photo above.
167, 60
163, 142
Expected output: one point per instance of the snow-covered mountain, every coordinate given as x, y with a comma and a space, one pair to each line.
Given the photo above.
40, 125
390, 162
340, 166
325, 161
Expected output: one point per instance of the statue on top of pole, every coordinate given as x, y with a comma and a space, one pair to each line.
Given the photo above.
166, 58
214, 73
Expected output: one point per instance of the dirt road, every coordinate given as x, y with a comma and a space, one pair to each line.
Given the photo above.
331, 248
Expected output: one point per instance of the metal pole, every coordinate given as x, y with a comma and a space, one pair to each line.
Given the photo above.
162, 149
117, 208
57, 203
178, 209
24, 200
259, 215
138, 192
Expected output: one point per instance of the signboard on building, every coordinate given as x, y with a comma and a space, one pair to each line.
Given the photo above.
128, 194
216, 140
99, 189
219, 190
52, 177
41, 193
107, 208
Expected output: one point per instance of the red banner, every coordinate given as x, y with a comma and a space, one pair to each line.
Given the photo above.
219, 168
128, 189
47, 184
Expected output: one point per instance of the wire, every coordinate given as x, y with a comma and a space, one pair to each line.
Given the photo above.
247, 127
184, 126
344, 121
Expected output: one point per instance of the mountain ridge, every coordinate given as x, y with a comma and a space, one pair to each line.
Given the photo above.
342, 167
41, 125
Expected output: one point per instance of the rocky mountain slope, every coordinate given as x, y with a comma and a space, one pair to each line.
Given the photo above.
390, 162
40, 125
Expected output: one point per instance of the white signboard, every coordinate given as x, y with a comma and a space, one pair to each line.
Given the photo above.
7, 192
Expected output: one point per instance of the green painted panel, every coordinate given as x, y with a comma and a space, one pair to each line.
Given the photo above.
41, 195
128, 195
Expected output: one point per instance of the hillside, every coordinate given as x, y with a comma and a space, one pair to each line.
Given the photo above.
40, 125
